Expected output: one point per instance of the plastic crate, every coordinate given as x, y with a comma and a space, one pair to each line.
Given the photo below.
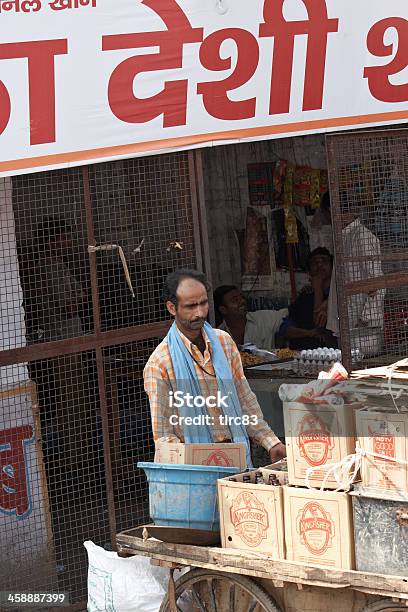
184, 495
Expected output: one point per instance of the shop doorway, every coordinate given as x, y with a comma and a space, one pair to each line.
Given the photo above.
365, 174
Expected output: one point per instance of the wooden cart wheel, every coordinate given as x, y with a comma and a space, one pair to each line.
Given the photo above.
202, 590
385, 605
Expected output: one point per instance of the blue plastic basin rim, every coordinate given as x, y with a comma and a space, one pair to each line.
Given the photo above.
187, 467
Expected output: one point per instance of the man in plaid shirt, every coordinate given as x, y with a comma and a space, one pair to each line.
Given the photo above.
186, 298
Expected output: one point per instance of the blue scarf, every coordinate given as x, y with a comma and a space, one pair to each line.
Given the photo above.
187, 382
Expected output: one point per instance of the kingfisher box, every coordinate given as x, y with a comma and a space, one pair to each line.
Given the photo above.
251, 515
316, 435
319, 527
383, 433
226, 455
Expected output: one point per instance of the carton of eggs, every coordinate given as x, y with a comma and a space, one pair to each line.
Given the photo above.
321, 354
313, 361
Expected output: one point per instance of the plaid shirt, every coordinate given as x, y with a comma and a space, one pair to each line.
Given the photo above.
159, 380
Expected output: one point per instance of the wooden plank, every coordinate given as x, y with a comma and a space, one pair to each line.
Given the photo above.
72, 346
387, 281
397, 256
168, 564
181, 535
403, 597
247, 571
262, 566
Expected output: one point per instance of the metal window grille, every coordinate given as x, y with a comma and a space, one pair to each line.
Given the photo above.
369, 194
74, 343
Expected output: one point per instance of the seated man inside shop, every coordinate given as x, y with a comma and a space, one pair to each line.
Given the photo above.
201, 363
305, 327
259, 328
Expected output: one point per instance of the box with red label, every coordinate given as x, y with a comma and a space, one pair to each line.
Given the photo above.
319, 527
227, 455
317, 435
384, 434
251, 515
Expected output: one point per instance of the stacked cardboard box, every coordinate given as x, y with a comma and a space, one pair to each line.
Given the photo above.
318, 524
382, 427
319, 527
309, 525
383, 434
251, 515
380, 503
317, 435
295, 523
227, 455
302, 524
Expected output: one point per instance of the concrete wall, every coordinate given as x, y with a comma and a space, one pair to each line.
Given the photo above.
227, 196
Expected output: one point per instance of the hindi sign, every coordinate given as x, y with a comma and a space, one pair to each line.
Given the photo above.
93, 80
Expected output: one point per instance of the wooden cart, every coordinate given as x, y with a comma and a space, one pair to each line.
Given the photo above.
228, 580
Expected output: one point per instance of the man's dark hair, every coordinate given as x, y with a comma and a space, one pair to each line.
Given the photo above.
49, 229
322, 251
173, 280
219, 295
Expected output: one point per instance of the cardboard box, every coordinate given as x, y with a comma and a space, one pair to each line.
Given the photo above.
251, 515
315, 436
319, 527
228, 455
383, 432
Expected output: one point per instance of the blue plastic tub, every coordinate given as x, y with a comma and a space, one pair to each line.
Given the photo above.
184, 495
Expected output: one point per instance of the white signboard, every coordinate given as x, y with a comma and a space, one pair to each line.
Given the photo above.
91, 80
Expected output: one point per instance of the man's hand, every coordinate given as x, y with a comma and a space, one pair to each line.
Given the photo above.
277, 452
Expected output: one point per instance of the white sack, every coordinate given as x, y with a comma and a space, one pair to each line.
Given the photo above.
123, 585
